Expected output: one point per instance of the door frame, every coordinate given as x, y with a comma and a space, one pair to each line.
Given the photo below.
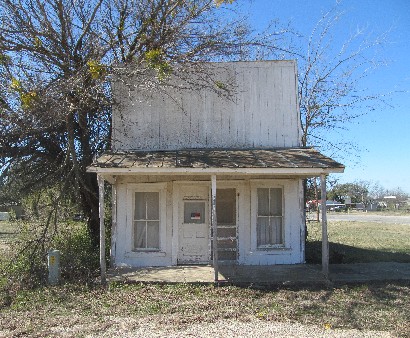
193, 249
177, 195
242, 213
240, 185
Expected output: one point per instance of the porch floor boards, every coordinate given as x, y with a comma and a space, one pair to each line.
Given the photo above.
263, 275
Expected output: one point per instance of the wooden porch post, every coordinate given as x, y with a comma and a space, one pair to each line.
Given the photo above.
325, 240
102, 228
113, 224
214, 227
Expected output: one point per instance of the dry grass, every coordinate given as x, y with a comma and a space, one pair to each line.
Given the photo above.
380, 307
7, 234
124, 310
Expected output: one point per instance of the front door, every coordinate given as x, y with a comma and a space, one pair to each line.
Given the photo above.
193, 225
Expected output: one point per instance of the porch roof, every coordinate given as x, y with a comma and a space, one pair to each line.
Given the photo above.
282, 161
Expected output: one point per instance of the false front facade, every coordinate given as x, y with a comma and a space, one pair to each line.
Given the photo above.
211, 176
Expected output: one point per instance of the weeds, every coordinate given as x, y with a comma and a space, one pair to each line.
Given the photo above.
79, 304
376, 306
25, 267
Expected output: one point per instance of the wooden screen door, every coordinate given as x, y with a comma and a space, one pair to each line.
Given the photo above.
226, 223
193, 225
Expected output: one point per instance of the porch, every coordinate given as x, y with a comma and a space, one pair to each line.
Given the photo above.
230, 274
210, 206
300, 274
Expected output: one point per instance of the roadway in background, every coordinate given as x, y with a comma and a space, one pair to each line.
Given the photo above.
368, 217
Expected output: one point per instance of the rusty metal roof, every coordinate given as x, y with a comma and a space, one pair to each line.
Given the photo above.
292, 158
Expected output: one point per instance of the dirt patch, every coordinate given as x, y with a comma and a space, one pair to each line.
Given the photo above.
157, 326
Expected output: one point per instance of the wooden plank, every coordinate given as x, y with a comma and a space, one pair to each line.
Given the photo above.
214, 227
114, 224
297, 172
262, 111
102, 228
325, 239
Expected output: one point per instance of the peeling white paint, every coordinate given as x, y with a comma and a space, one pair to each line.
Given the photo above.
261, 112
175, 191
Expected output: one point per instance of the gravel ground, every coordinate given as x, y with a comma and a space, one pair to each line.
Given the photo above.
162, 327
255, 328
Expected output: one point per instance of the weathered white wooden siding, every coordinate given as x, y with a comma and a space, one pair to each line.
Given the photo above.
291, 253
261, 112
123, 250
293, 250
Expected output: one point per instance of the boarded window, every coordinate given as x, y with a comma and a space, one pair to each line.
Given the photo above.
146, 221
269, 223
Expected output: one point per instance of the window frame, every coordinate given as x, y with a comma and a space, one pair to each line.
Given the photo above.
254, 215
159, 188
145, 222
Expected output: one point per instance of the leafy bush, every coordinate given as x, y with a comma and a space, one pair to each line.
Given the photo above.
25, 267
79, 258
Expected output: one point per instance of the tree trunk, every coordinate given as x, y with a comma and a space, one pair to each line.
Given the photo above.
89, 205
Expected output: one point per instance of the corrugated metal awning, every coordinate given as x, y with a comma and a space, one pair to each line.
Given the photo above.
303, 161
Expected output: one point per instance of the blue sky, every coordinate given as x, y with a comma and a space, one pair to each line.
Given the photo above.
383, 135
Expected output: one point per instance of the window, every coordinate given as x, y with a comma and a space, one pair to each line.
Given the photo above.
194, 212
269, 218
147, 220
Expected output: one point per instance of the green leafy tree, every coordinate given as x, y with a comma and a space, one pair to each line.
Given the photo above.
357, 191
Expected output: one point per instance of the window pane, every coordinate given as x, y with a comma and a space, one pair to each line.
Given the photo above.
140, 211
194, 212
269, 231
275, 202
146, 205
140, 235
152, 200
226, 206
263, 233
153, 235
263, 201
276, 226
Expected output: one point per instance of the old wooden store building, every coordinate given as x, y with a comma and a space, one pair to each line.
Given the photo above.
188, 166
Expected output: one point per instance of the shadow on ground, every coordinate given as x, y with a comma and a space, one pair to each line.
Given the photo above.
345, 254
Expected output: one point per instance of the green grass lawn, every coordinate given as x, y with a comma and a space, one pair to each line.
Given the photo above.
360, 242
